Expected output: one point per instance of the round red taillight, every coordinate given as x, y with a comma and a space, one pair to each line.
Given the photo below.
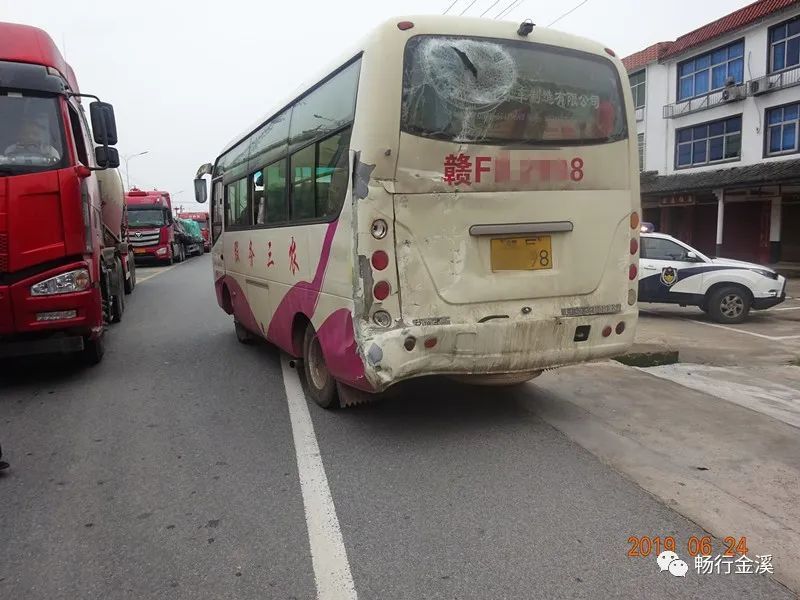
633, 271
430, 342
620, 327
634, 246
382, 290
634, 220
404, 25
380, 260
607, 331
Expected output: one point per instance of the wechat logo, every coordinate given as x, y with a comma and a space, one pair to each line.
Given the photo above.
669, 561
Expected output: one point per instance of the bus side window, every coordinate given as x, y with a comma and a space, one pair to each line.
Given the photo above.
332, 174
303, 196
237, 213
275, 191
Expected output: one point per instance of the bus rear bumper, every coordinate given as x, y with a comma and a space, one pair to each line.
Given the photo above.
493, 348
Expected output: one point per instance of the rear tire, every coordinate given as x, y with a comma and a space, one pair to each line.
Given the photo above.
130, 282
118, 299
729, 304
93, 351
244, 336
319, 382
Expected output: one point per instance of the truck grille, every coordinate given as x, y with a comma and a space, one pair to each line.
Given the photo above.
3, 252
143, 239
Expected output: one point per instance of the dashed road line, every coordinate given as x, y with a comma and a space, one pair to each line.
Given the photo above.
773, 338
156, 274
332, 573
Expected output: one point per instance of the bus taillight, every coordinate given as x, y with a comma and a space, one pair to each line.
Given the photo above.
379, 229
380, 260
620, 327
634, 220
382, 290
607, 331
633, 271
634, 246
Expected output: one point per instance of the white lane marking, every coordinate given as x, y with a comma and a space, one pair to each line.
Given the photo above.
156, 274
788, 308
328, 555
738, 385
773, 338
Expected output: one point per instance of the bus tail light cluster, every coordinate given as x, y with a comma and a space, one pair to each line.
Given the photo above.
380, 260
633, 269
619, 329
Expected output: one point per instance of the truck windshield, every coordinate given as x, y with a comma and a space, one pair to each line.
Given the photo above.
151, 217
31, 135
488, 91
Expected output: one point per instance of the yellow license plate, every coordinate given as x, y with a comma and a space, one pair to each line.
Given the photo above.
139, 251
522, 254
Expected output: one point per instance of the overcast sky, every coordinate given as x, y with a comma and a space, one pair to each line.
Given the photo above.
186, 76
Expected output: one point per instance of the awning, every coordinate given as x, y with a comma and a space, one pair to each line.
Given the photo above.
768, 173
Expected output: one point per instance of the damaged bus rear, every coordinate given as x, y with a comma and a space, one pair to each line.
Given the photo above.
454, 196
508, 206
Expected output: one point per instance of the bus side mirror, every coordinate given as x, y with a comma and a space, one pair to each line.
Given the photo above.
200, 191
104, 125
106, 157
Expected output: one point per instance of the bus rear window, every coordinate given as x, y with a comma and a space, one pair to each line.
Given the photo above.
487, 91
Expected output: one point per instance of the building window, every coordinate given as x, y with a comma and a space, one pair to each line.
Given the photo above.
709, 143
641, 151
710, 71
784, 50
639, 88
782, 129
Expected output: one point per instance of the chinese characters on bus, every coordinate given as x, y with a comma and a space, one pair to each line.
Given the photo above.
460, 169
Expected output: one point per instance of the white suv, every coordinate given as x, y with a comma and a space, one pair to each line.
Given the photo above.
673, 272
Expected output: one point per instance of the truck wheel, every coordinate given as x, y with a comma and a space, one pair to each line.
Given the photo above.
319, 383
244, 336
130, 282
729, 304
118, 299
93, 351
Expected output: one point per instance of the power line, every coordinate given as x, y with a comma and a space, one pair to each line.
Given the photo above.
509, 8
491, 6
468, 7
570, 11
447, 10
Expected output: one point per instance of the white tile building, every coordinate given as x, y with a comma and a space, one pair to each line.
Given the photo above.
718, 120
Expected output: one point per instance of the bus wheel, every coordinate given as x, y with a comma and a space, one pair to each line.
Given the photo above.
320, 385
244, 336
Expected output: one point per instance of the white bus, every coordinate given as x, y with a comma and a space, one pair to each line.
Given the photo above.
455, 196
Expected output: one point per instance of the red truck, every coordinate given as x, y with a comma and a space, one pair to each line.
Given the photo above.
152, 230
64, 262
201, 218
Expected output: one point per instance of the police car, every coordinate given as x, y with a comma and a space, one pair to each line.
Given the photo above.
673, 272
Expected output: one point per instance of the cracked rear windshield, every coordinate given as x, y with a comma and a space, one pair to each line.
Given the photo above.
482, 90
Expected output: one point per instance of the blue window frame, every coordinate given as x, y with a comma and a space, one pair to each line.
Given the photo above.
784, 45
708, 143
708, 72
782, 129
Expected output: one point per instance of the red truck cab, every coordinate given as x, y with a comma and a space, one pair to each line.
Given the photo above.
151, 227
201, 218
61, 271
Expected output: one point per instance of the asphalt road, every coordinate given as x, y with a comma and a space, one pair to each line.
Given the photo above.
170, 471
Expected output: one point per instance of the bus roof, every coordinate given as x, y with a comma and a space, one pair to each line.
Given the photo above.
429, 24
26, 44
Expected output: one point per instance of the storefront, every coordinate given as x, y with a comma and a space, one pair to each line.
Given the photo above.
747, 213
